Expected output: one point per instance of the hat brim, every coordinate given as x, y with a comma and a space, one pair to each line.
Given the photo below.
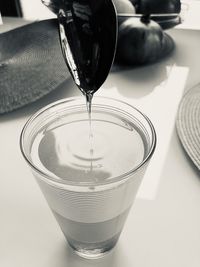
188, 124
31, 64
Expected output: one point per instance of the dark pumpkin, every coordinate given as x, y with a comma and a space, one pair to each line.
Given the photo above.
140, 41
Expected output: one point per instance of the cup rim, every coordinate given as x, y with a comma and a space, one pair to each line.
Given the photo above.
116, 179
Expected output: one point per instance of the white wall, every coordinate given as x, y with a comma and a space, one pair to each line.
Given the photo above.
34, 9
0, 19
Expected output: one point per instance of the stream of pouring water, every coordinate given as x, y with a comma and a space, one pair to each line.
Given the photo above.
89, 97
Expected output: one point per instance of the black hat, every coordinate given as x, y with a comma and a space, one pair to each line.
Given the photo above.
31, 64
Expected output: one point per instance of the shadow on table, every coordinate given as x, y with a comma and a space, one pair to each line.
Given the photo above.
139, 81
67, 257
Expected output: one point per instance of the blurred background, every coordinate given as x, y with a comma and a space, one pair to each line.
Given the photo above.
30, 9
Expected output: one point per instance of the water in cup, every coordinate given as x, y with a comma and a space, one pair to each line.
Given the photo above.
90, 194
62, 150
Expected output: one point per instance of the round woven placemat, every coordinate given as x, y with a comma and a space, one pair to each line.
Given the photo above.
31, 64
188, 124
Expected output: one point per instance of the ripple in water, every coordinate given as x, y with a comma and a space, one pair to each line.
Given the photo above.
65, 150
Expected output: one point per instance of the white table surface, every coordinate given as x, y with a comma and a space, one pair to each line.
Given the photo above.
163, 227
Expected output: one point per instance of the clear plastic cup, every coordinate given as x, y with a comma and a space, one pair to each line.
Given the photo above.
89, 173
